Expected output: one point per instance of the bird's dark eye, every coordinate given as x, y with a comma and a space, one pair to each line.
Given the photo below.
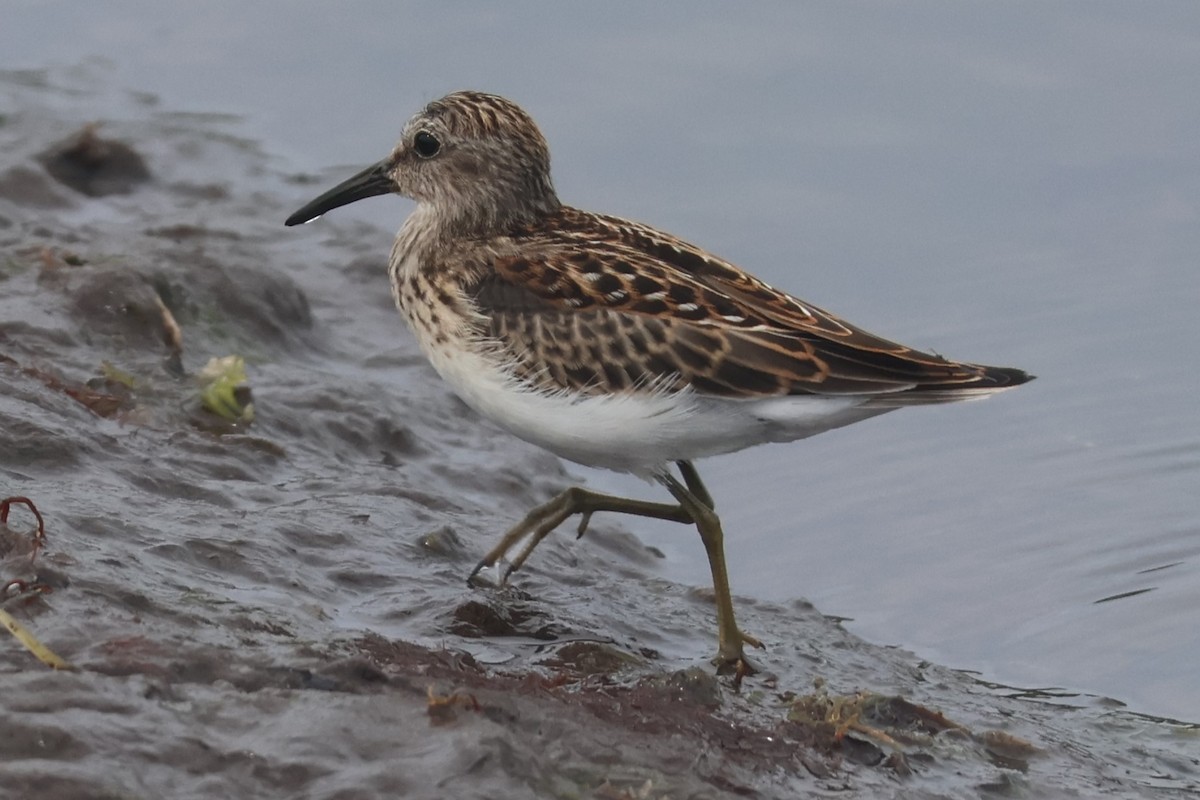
426, 144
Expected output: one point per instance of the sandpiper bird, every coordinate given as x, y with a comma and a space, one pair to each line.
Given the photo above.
608, 342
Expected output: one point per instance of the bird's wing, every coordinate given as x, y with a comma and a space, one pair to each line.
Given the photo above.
593, 303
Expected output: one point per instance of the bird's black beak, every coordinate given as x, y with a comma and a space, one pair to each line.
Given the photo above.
372, 181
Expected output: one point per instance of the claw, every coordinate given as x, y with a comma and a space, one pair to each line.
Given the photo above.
737, 666
741, 670
480, 567
584, 519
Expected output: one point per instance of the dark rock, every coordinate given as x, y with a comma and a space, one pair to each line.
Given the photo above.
95, 166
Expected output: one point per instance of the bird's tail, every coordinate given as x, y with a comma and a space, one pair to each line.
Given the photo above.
988, 381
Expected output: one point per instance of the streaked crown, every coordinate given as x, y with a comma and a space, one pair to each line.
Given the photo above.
478, 158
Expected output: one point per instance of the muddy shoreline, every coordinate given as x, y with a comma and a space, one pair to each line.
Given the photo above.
276, 605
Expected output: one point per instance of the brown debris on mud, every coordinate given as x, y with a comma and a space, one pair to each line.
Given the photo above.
278, 607
20, 583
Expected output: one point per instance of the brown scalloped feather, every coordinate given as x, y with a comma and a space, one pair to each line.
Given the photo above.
599, 304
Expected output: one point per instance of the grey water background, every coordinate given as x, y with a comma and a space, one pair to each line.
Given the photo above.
1014, 184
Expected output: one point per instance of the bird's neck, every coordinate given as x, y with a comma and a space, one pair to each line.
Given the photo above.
441, 222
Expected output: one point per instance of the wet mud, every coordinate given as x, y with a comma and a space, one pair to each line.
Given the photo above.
265, 595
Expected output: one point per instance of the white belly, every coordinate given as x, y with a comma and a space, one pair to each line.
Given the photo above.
637, 432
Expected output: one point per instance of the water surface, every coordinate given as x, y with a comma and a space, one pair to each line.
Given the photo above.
1015, 185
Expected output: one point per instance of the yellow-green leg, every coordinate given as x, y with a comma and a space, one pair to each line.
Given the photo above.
541, 521
730, 656
695, 506
696, 486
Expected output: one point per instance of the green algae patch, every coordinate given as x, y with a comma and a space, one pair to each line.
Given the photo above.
224, 390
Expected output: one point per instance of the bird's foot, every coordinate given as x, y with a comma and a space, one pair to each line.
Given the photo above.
731, 660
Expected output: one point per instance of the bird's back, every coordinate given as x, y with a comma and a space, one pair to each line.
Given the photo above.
591, 303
